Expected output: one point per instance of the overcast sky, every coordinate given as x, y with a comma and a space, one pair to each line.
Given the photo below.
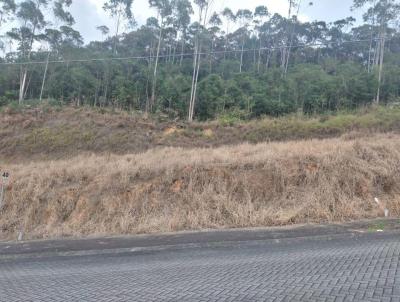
89, 13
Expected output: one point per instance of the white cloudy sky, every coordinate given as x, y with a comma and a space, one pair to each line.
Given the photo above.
89, 13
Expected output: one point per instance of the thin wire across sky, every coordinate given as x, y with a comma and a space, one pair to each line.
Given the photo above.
149, 57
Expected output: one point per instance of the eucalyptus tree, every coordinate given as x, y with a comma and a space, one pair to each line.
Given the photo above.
229, 18
62, 35
182, 10
371, 19
338, 31
267, 40
215, 22
243, 16
384, 12
31, 21
317, 33
291, 22
104, 30
164, 10
260, 16
291, 4
121, 10
7, 9
293, 19
203, 7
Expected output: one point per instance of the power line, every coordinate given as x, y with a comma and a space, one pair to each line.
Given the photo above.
186, 54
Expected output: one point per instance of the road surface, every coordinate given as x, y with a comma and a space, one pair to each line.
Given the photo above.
346, 267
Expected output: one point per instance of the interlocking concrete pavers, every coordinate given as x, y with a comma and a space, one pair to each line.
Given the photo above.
363, 269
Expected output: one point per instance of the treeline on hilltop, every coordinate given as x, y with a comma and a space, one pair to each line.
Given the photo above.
192, 62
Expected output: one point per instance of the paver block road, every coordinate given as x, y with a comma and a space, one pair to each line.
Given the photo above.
364, 268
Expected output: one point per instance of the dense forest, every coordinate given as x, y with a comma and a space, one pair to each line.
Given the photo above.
192, 62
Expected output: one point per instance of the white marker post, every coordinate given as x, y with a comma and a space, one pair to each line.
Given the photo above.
385, 210
3, 186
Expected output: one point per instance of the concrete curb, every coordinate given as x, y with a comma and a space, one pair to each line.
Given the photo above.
139, 250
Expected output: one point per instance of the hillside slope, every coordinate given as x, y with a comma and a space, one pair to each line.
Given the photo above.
49, 133
78, 172
330, 180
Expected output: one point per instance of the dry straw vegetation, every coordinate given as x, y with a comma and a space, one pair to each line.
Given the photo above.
171, 189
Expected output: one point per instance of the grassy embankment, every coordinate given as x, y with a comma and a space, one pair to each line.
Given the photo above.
47, 133
152, 183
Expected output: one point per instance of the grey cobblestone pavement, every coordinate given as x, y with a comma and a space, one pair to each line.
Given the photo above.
364, 268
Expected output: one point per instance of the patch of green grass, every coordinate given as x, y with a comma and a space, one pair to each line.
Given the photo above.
381, 118
91, 132
232, 118
380, 226
57, 138
339, 122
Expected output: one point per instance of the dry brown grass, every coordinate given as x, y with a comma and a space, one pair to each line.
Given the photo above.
174, 189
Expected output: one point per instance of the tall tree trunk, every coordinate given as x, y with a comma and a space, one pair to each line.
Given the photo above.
27, 86
116, 34
44, 76
377, 51
268, 59
254, 58
381, 57
182, 47
211, 55
371, 43
241, 56
259, 57
96, 93
370, 52
105, 95
225, 48
284, 51
147, 107
196, 82
191, 102
23, 74
196, 68
226, 40
22, 88
174, 55
283, 58
169, 55
291, 40
153, 90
